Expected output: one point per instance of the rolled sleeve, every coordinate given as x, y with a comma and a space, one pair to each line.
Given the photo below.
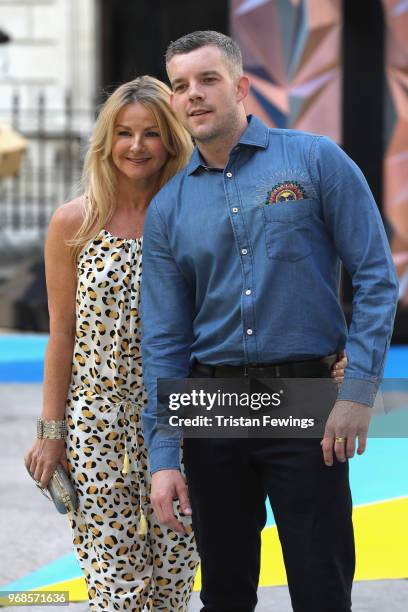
164, 456
357, 390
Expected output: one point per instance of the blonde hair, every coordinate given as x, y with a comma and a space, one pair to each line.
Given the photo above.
99, 175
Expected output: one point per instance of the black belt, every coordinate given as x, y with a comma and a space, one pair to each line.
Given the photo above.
309, 368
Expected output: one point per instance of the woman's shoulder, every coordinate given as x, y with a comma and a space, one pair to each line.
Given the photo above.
68, 218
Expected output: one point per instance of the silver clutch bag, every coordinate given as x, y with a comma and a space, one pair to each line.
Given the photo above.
61, 491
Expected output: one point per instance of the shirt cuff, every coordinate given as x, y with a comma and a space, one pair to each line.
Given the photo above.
164, 457
358, 390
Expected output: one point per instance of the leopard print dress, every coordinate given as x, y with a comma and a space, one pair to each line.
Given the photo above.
130, 562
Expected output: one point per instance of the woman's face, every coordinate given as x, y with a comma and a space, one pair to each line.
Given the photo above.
137, 149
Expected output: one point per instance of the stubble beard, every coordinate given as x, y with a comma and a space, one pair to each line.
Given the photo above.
222, 131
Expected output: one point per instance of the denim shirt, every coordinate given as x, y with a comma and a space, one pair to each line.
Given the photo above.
242, 266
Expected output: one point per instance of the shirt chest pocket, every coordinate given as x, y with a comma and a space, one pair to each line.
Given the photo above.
288, 229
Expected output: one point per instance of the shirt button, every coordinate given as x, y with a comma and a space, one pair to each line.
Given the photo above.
249, 332
244, 251
248, 292
229, 174
235, 210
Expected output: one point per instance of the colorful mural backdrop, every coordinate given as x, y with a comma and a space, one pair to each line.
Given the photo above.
396, 136
292, 52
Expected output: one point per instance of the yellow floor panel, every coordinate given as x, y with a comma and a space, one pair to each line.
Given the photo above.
381, 532
76, 587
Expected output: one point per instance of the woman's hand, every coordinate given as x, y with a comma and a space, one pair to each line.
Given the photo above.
337, 371
43, 457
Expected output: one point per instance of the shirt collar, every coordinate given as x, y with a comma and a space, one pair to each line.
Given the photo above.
255, 135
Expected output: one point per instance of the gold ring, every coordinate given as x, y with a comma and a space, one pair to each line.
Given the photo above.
339, 439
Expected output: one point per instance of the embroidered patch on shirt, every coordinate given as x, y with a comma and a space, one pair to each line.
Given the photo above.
286, 192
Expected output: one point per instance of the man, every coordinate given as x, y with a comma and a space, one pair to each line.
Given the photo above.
241, 266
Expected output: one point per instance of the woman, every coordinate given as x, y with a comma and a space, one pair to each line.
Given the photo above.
93, 370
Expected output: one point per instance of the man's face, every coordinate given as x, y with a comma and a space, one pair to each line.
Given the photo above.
206, 95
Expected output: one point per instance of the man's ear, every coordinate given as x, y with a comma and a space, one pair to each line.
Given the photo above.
243, 87
171, 101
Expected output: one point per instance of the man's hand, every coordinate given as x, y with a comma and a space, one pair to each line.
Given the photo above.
168, 485
347, 420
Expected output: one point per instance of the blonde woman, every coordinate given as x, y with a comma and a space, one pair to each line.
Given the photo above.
93, 370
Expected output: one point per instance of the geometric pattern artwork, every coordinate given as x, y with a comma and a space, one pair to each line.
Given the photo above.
396, 135
292, 54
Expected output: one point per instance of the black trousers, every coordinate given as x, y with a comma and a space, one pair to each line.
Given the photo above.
229, 480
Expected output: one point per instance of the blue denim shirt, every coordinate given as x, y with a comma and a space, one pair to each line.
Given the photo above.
243, 266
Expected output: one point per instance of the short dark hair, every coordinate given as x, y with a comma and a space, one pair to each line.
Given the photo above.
202, 38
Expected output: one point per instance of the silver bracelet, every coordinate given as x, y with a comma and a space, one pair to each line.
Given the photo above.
52, 430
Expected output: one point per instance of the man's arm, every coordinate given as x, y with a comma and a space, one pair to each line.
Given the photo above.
355, 224
167, 315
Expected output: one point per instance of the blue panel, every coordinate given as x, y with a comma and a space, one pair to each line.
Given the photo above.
22, 372
22, 347
379, 474
397, 362
22, 358
64, 568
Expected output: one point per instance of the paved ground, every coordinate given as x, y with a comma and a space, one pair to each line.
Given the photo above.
33, 534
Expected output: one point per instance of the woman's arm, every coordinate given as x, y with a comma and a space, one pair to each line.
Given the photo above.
60, 271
